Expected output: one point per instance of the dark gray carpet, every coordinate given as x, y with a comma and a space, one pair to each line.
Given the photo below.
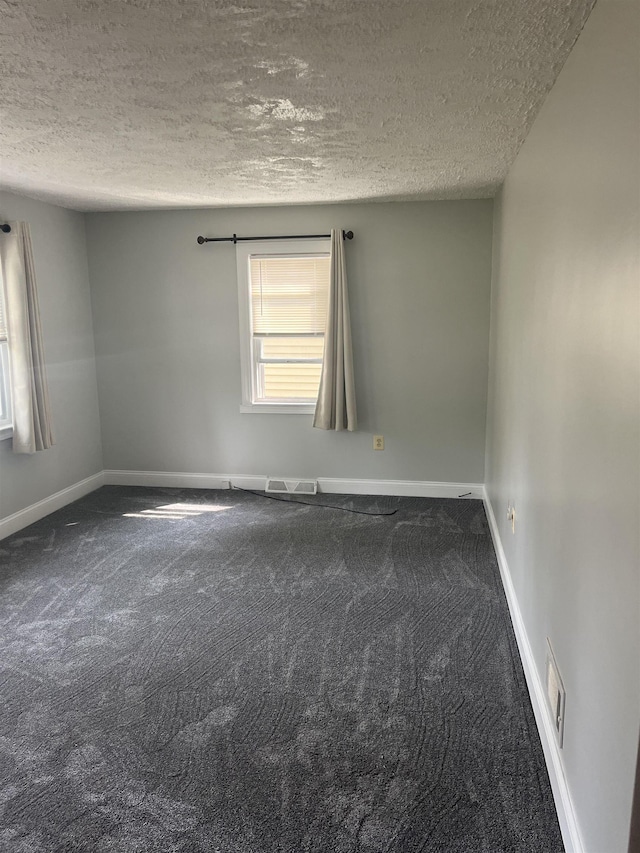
263, 678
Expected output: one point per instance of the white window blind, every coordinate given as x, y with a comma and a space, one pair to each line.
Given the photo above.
289, 295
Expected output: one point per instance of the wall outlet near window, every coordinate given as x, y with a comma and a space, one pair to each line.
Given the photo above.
555, 693
378, 442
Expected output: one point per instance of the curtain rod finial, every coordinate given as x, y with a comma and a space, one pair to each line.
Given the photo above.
201, 240
347, 235
5, 227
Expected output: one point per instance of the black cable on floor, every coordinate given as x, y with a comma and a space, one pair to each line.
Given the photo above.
310, 503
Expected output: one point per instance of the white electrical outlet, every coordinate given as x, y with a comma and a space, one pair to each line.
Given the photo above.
378, 442
555, 693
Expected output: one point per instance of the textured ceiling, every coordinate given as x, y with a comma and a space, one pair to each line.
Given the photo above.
161, 103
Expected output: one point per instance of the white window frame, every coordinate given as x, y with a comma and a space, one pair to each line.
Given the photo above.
248, 354
6, 417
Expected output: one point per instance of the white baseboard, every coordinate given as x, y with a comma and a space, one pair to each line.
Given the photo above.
561, 794
401, 488
166, 479
328, 485
171, 479
14, 523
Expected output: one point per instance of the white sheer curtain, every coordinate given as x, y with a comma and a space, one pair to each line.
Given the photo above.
32, 430
336, 406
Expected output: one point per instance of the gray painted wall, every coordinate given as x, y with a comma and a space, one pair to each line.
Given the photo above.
167, 343
563, 425
63, 286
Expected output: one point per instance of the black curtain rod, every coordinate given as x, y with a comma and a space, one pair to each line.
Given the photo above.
5, 227
346, 235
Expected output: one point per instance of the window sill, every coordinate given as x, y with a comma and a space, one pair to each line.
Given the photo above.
6, 432
277, 409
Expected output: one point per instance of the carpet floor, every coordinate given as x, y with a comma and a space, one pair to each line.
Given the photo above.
216, 672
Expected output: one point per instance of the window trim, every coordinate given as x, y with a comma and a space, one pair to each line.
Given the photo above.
244, 251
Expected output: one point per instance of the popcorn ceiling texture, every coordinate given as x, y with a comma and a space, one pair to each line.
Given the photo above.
164, 103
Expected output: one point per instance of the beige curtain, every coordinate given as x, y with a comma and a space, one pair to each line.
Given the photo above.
336, 406
29, 395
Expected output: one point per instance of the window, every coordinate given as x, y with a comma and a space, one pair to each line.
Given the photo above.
283, 295
5, 396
